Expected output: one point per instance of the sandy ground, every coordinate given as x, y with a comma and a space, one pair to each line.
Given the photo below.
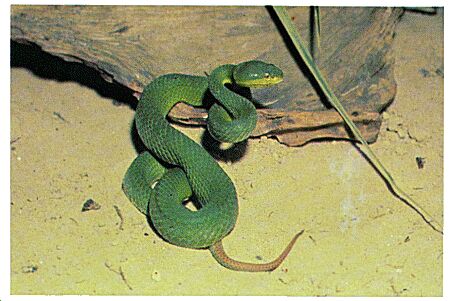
70, 144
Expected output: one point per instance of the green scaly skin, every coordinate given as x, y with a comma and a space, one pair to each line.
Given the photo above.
159, 191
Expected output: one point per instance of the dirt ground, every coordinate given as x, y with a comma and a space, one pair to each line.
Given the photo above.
70, 144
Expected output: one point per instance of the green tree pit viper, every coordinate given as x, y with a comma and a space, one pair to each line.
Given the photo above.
175, 168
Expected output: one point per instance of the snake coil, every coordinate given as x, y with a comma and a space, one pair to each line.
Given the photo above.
175, 168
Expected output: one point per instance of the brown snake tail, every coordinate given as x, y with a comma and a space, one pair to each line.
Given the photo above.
219, 254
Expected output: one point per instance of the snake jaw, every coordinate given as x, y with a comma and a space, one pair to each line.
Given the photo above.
264, 82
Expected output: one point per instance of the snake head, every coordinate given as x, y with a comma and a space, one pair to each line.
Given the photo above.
257, 74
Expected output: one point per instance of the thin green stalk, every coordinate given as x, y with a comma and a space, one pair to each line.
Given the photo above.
315, 41
307, 58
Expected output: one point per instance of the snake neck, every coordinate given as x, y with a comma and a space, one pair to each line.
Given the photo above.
233, 118
236, 105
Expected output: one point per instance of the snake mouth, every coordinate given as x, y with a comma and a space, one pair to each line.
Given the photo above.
263, 82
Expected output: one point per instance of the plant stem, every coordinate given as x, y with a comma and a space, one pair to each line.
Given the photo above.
307, 58
315, 40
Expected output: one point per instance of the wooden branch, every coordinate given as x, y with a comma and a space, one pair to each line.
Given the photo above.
292, 128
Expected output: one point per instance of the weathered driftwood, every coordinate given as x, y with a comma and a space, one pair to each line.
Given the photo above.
293, 128
133, 44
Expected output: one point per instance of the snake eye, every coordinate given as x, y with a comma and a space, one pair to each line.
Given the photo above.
266, 75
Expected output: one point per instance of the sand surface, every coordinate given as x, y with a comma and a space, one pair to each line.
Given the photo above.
70, 144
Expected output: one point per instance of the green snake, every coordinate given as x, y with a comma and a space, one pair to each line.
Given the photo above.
175, 168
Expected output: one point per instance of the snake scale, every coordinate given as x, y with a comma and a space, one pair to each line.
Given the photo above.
175, 168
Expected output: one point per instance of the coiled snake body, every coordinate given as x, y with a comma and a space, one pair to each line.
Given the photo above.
176, 168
